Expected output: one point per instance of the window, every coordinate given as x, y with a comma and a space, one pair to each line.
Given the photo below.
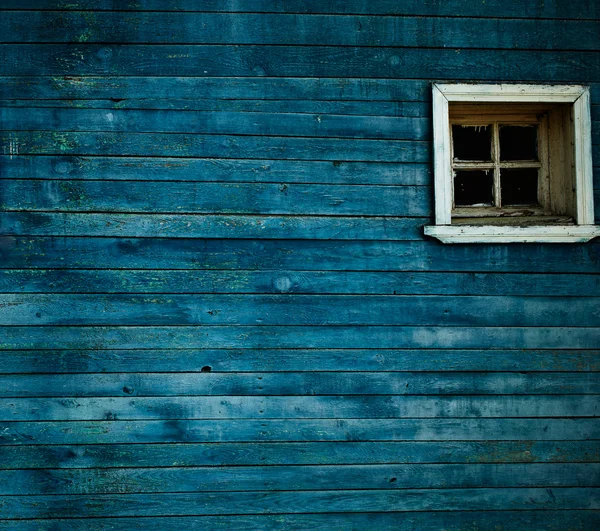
512, 163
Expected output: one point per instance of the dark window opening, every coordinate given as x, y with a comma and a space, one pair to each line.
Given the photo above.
518, 142
519, 186
472, 142
474, 188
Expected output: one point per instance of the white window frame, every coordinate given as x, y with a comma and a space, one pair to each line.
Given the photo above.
578, 96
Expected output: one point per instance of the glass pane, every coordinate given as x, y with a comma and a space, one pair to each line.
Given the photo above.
519, 186
473, 188
518, 142
472, 142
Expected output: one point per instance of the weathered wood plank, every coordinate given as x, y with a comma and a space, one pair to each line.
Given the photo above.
212, 146
299, 255
326, 91
267, 28
494, 8
290, 453
133, 225
257, 106
213, 226
296, 309
219, 198
212, 170
287, 337
277, 360
524, 520
298, 61
212, 88
285, 123
234, 430
264, 502
302, 282
295, 478
297, 383
297, 407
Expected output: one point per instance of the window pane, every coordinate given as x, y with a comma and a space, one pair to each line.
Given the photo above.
519, 186
472, 142
473, 188
518, 142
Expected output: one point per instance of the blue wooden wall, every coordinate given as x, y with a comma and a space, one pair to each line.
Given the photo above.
218, 309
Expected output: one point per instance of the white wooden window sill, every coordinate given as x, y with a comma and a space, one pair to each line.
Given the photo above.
504, 234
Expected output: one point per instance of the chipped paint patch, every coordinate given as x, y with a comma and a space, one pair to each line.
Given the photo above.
85, 36
12, 148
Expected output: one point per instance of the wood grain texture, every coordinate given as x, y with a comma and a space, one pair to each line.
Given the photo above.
322, 108
211, 217
215, 226
289, 310
264, 502
281, 360
292, 337
217, 198
297, 61
297, 407
59, 432
526, 520
335, 172
108, 456
295, 478
265, 28
285, 123
212, 146
297, 383
297, 282
299, 255
328, 90
202, 88
557, 9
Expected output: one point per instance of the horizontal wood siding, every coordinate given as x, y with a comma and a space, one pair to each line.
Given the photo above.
218, 309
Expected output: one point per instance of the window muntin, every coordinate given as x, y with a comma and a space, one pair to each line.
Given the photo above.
508, 153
